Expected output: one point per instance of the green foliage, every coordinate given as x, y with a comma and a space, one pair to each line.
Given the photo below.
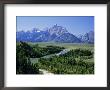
69, 63
53, 49
72, 62
79, 53
42, 51
23, 64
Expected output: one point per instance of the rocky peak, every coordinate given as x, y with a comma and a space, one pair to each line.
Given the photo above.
57, 30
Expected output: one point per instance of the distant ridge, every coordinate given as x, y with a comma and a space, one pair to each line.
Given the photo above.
88, 37
56, 34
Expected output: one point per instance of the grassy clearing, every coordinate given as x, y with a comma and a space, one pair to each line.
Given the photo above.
66, 45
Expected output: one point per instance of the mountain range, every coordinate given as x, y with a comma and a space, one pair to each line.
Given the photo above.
55, 34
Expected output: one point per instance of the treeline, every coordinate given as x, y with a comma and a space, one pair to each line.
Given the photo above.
43, 51
69, 63
23, 63
25, 51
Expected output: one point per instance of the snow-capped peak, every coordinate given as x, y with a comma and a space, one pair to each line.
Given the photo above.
38, 31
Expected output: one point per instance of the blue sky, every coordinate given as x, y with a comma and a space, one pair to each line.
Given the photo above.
74, 24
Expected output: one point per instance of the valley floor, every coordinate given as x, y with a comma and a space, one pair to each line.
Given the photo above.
55, 58
68, 46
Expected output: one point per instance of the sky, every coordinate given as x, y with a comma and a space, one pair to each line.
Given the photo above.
74, 24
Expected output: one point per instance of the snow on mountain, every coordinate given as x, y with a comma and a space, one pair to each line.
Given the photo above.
55, 33
87, 37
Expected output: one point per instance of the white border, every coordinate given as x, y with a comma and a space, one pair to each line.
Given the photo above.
96, 80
